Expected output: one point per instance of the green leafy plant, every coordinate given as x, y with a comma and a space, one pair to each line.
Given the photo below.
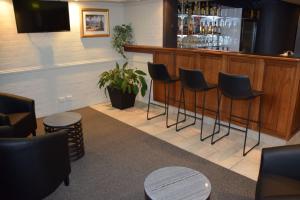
125, 79
122, 34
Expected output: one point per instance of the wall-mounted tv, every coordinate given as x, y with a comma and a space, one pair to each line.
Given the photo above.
34, 16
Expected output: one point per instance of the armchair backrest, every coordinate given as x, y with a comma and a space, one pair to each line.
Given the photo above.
282, 161
32, 168
10, 103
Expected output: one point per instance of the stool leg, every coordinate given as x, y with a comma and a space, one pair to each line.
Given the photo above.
247, 126
165, 86
168, 101
179, 106
167, 117
230, 114
149, 99
195, 107
202, 119
259, 117
195, 112
217, 119
259, 127
149, 102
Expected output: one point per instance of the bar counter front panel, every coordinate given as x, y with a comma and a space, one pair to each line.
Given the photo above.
277, 77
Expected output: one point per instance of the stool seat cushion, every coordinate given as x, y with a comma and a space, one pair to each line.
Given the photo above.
173, 79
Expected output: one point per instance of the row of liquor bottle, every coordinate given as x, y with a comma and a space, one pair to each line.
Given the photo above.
222, 43
211, 8
199, 8
199, 26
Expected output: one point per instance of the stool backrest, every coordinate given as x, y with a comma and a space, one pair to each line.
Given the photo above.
235, 86
158, 72
192, 79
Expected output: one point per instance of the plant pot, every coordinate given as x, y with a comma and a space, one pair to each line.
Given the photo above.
119, 99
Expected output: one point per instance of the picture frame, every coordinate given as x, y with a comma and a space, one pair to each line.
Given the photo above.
95, 22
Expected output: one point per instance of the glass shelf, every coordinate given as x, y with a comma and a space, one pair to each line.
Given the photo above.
214, 17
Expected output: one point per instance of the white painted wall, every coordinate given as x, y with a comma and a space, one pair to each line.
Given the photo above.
45, 66
146, 18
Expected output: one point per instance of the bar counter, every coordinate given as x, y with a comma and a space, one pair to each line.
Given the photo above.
278, 77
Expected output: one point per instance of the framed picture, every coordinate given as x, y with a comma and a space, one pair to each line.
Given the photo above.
94, 22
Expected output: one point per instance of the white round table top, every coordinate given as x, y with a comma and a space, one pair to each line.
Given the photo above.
177, 183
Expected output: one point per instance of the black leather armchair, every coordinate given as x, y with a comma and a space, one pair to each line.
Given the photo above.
17, 116
279, 175
32, 168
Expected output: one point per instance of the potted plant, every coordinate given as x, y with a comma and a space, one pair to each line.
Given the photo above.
122, 34
123, 84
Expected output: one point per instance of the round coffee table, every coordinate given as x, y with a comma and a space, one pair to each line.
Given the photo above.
174, 183
71, 122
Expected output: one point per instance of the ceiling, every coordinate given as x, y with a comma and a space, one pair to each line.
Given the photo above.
120, 1
293, 1
290, 1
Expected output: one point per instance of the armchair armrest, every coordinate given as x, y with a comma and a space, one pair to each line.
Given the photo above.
4, 120
10, 103
282, 161
32, 168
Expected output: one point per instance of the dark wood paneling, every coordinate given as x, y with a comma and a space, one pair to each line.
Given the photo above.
210, 66
253, 69
278, 82
279, 78
158, 88
186, 61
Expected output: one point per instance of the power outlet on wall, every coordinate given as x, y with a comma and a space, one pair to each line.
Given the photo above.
69, 97
64, 99
61, 99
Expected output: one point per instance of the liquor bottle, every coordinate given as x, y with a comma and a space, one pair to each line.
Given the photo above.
202, 8
218, 10
190, 27
212, 10
207, 8
179, 8
186, 8
193, 7
202, 29
215, 29
251, 14
210, 28
219, 29
205, 28
257, 14
198, 8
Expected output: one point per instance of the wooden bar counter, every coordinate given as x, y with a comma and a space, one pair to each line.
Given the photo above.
277, 77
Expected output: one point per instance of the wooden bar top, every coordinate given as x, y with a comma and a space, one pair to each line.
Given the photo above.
278, 77
152, 49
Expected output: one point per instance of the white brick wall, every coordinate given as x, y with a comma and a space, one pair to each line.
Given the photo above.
45, 86
45, 66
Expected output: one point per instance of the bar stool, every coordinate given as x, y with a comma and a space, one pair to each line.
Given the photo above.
237, 87
194, 81
159, 72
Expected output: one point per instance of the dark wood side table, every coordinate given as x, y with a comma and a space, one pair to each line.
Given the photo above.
71, 122
177, 183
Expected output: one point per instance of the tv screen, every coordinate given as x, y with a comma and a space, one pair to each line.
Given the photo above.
34, 16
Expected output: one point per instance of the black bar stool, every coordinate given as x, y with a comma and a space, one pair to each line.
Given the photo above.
159, 72
194, 81
237, 87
